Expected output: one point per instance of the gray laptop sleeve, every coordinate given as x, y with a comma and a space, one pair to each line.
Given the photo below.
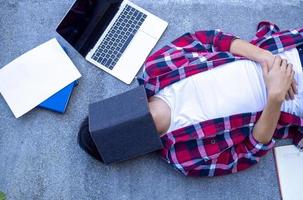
122, 126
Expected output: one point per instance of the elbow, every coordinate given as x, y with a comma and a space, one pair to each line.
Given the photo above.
263, 139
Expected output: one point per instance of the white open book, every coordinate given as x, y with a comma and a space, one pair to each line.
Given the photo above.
289, 163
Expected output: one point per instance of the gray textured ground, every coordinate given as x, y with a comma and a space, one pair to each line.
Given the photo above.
39, 156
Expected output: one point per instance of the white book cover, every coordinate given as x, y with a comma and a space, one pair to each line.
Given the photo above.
289, 163
35, 76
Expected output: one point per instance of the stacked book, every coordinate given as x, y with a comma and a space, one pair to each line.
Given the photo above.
42, 77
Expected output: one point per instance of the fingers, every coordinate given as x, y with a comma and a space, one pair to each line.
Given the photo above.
291, 93
284, 66
287, 96
293, 88
281, 77
265, 69
289, 69
277, 62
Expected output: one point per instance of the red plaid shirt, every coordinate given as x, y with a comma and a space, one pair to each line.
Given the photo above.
223, 145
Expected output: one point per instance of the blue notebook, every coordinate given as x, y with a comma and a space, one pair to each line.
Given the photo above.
59, 101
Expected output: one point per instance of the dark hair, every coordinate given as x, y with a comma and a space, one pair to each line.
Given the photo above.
86, 142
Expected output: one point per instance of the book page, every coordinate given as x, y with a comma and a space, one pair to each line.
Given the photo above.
289, 161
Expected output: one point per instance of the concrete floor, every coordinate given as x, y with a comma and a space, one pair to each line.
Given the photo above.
39, 156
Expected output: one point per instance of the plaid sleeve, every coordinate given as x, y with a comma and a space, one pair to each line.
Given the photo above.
185, 56
175, 53
215, 40
269, 36
256, 148
234, 159
200, 41
215, 147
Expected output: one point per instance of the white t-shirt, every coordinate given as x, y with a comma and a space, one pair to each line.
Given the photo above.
232, 88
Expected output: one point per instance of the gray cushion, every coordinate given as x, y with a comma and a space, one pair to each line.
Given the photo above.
122, 126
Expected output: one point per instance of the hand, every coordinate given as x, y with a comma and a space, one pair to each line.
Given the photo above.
266, 58
278, 79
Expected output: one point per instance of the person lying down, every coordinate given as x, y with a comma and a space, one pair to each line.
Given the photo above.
220, 102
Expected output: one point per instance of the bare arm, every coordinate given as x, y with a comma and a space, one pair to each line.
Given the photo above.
252, 52
278, 79
267, 123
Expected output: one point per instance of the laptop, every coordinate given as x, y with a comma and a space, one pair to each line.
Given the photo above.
114, 35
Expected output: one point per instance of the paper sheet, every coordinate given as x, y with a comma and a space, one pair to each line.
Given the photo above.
289, 160
35, 76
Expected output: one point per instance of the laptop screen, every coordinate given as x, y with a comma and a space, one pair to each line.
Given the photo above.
85, 22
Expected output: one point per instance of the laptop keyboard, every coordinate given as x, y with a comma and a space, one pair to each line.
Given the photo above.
119, 36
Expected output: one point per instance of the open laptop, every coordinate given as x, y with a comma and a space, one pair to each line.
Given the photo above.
114, 35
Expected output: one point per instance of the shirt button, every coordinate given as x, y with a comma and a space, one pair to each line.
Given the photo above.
213, 141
